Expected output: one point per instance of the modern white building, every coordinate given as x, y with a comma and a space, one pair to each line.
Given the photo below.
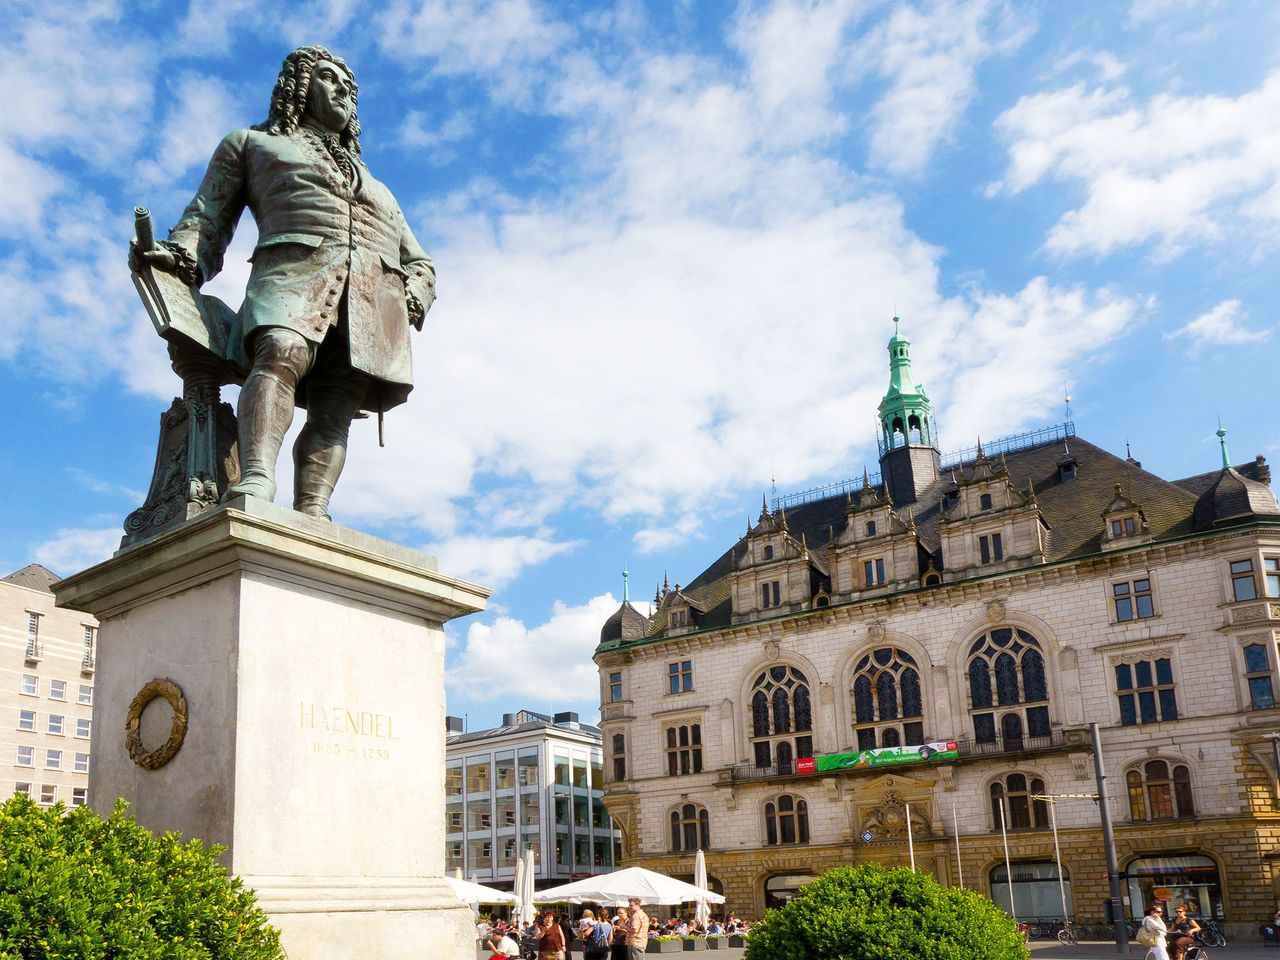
46, 691
535, 781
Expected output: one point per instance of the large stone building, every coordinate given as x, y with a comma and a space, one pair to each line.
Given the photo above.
46, 691
534, 782
990, 607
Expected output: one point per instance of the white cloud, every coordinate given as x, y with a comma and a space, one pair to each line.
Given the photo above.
1173, 171
1221, 326
930, 56
495, 561
656, 539
546, 665
72, 550
1009, 357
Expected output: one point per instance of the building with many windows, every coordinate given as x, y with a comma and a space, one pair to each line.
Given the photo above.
926, 648
46, 691
534, 782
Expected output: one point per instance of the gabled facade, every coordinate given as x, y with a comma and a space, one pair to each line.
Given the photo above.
986, 607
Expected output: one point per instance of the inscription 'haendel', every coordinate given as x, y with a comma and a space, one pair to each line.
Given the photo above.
363, 723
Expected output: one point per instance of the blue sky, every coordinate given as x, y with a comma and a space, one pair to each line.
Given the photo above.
670, 238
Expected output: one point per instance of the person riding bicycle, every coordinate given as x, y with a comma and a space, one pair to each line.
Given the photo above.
1182, 930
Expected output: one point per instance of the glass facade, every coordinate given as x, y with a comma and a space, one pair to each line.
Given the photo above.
547, 796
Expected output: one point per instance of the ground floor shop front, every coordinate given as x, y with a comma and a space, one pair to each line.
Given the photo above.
1224, 868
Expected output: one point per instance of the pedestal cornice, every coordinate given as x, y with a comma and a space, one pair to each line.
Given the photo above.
252, 536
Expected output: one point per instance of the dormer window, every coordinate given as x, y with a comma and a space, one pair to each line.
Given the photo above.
1124, 527
950, 498
984, 502
680, 617
871, 528
768, 551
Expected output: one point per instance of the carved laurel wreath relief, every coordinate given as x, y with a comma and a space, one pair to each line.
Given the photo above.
172, 695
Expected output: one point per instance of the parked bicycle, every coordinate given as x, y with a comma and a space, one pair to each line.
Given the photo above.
1211, 935
1069, 933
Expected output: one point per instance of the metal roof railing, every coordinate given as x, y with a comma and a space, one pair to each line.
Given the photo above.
1017, 441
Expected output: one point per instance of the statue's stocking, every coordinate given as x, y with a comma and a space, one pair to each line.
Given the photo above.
321, 448
265, 409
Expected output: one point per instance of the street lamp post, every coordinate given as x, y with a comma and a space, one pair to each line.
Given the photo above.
1109, 843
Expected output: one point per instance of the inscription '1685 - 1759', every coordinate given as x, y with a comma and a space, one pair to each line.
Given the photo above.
346, 722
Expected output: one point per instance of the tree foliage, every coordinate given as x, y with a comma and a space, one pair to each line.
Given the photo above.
77, 886
870, 913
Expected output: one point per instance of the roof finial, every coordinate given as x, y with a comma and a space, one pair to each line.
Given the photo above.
625, 596
773, 481
1066, 401
866, 478
1222, 439
981, 455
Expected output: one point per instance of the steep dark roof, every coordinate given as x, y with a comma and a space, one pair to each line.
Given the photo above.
1233, 498
1072, 509
1257, 469
626, 623
34, 577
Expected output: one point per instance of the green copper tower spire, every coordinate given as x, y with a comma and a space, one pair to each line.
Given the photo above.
905, 415
1222, 441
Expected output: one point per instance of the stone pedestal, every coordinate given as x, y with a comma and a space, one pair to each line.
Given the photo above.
310, 660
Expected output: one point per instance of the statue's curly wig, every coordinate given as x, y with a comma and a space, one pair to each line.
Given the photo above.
289, 98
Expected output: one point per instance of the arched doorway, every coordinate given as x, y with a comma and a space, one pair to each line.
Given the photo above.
781, 888
1175, 879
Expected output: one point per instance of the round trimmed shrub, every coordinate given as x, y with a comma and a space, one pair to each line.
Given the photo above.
76, 886
870, 913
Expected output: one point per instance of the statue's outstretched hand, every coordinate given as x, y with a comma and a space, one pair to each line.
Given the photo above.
158, 258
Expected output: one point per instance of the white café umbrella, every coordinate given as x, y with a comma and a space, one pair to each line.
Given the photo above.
518, 889
526, 893
648, 886
702, 912
469, 892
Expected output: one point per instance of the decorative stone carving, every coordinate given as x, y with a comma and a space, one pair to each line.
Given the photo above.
996, 610
1080, 764
172, 695
947, 775
772, 649
1067, 658
875, 630
889, 819
1134, 656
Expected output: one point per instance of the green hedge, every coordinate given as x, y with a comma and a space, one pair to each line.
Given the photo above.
75, 886
870, 913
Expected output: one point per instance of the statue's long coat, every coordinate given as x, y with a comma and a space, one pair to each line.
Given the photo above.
321, 241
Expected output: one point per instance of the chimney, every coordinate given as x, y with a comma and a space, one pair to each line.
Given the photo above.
1263, 469
453, 725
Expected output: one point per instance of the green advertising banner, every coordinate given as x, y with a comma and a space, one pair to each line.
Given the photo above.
882, 757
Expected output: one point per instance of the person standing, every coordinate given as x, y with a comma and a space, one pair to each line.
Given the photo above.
550, 937
637, 930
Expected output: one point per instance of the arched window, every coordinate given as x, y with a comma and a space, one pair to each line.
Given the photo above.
690, 828
1159, 790
1008, 691
984, 501
786, 820
781, 717
888, 708
1020, 811
871, 528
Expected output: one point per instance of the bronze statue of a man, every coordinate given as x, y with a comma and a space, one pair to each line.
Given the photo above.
337, 277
